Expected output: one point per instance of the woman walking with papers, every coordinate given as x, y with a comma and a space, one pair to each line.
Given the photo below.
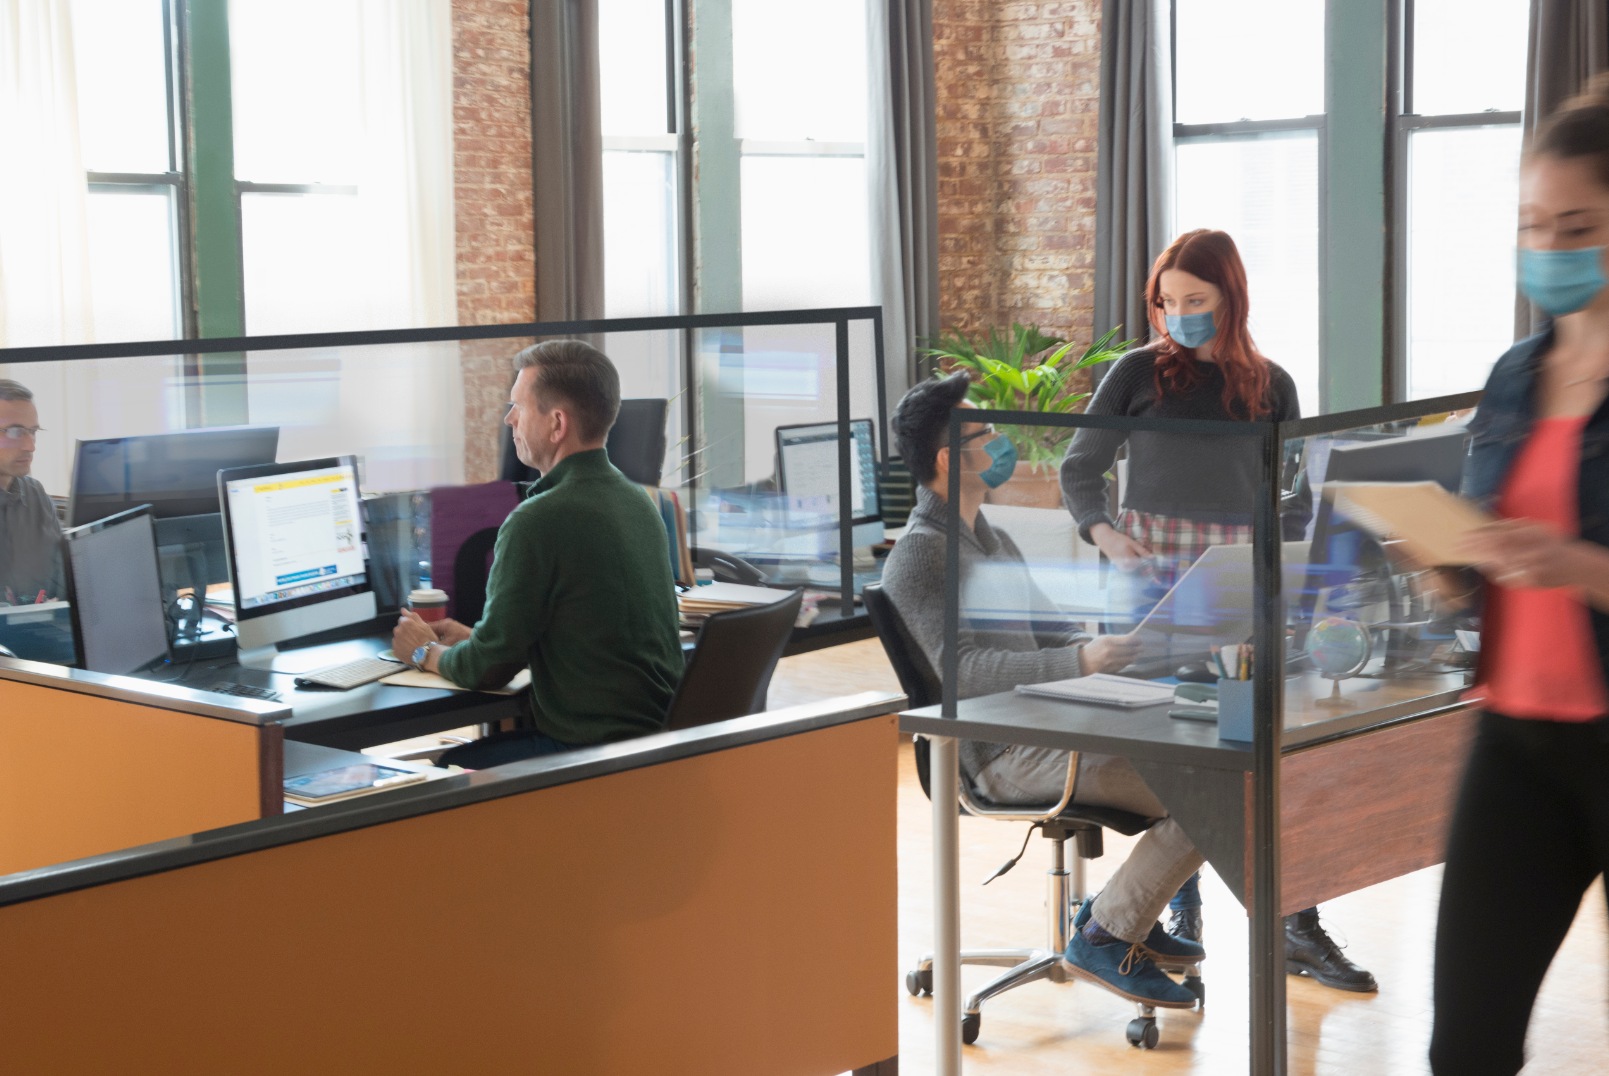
1187, 492
1534, 808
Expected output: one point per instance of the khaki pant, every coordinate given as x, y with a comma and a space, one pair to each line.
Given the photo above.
1160, 862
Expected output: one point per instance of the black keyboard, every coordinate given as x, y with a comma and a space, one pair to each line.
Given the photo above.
244, 691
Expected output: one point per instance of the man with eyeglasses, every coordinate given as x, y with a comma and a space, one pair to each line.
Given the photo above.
30, 534
1118, 939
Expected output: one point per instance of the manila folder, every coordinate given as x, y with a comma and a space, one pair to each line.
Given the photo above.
1423, 514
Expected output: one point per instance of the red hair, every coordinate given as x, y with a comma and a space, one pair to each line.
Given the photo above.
1212, 256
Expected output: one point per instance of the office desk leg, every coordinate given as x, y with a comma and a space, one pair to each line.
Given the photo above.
945, 759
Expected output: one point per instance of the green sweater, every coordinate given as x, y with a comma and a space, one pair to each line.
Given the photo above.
581, 590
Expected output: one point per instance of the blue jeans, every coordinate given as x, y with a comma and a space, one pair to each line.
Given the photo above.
502, 747
1189, 894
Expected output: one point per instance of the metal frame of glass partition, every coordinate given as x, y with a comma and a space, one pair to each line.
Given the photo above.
1270, 739
236, 348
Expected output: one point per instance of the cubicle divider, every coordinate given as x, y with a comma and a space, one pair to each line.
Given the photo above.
719, 900
743, 395
90, 763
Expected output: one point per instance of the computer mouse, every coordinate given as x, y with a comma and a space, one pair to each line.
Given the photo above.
1196, 673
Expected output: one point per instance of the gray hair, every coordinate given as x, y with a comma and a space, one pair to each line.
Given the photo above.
12, 390
579, 375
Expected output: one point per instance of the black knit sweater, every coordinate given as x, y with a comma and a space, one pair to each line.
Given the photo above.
1211, 479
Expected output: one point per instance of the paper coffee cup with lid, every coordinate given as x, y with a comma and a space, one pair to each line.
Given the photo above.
428, 603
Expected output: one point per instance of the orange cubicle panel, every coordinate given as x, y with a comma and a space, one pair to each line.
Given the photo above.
728, 913
82, 774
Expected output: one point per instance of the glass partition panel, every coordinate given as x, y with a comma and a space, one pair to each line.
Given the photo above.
1167, 596
768, 491
1368, 636
750, 454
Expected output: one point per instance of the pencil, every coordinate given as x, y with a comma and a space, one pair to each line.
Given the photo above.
1218, 657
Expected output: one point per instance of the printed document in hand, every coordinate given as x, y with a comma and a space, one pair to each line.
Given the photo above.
1423, 514
1104, 688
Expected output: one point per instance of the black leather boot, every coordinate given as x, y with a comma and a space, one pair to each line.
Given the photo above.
1311, 951
1186, 923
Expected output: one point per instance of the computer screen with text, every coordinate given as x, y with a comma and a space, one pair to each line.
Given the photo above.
295, 535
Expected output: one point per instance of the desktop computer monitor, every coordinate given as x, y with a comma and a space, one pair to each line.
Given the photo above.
119, 625
807, 472
175, 473
294, 537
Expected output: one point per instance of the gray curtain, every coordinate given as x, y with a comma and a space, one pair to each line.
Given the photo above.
901, 167
567, 159
1569, 43
1134, 164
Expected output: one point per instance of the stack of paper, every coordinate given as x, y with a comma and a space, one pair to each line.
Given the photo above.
1103, 688
700, 602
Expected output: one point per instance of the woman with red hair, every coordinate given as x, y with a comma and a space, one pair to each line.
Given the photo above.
1186, 492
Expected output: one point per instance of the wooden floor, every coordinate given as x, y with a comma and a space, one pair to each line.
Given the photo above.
1047, 1028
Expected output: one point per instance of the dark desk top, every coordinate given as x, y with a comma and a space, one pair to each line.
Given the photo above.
1147, 732
367, 715
364, 716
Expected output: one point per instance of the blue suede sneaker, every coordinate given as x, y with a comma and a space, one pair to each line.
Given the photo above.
1126, 971
1166, 949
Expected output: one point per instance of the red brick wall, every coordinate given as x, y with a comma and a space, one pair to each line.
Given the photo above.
493, 206
1018, 96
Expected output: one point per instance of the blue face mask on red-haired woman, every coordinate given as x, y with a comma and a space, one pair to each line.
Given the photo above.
1191, 330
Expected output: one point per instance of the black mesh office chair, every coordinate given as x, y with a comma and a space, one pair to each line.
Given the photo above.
729, 671
1057, 822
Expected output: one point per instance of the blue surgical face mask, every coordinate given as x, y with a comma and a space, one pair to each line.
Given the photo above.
1004, 454
1191, 330
1562, 281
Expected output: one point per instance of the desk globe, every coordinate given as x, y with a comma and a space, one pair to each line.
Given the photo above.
1338, 648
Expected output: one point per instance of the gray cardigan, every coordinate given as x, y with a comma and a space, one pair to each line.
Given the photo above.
992, 660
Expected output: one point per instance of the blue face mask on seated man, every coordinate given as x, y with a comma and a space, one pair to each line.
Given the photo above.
1561, 281
1191, 330
1004, 454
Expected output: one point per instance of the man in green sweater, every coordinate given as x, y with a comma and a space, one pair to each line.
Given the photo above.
581, 587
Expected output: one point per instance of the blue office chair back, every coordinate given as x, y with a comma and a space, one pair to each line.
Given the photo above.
729, 671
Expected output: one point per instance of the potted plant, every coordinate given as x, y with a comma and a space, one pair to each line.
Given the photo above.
1027, 371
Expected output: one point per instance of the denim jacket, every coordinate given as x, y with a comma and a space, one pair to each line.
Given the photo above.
1501, 426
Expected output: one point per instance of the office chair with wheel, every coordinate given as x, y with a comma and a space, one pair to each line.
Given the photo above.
729, 671
1057, 822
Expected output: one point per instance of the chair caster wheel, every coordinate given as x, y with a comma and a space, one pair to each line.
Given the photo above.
918, 983
1142, 1032
1194, 984
970, 1022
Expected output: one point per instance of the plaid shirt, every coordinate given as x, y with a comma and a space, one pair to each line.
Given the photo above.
1177, 543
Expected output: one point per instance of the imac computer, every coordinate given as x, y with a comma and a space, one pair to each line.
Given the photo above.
119, 625
807, 473
294, 537
175, 473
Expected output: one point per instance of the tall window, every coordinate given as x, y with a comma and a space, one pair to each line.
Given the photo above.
1248, 117
804, 153
1458, 154
343, 163
123, 52
640, 165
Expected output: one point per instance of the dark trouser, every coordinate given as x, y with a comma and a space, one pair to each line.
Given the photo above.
1530, 834
504, 747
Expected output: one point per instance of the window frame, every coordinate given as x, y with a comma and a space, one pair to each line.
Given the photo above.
175, 182
1247, 130
1402, 123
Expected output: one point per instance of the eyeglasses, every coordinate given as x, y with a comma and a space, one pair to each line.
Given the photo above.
17, 433
987, 431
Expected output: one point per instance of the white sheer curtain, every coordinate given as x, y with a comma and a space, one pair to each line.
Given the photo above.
44, 229
367, 104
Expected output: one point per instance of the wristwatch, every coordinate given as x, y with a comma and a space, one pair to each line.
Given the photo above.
420, 653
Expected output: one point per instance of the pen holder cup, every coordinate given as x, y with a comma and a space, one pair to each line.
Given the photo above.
1234, 710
